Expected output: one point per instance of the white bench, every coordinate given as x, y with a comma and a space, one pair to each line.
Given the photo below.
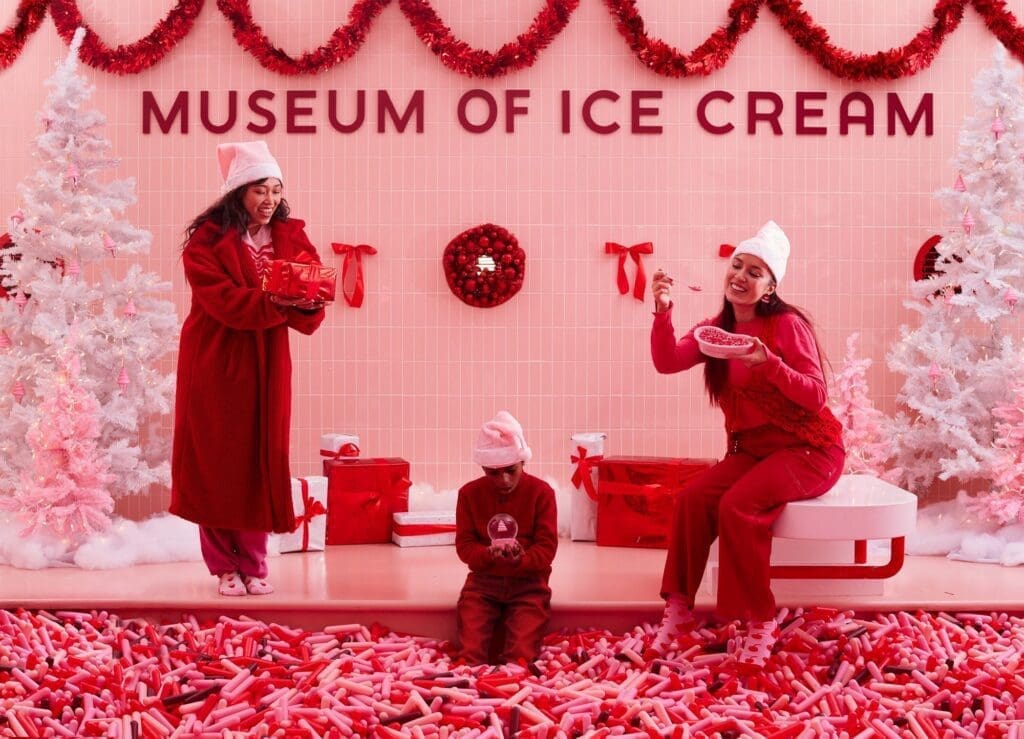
857, 509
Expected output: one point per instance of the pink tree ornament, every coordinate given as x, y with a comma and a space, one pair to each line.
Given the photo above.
130, 311
122, 379
998, 126
21, 301
5, 340
18, 390
109, 244
959, 184
1010, 298
968, 222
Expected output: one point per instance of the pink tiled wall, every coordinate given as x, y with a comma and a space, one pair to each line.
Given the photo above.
414, 371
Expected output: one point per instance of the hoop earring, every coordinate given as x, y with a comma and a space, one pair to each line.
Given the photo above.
767, 298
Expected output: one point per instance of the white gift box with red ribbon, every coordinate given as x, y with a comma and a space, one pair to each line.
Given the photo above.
423, 528
309, 500
335, 446
587, 451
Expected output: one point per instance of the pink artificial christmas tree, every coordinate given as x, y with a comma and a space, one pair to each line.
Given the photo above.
866, 430
65, 491
1005, 502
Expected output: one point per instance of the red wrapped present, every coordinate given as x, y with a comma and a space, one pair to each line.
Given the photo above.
362, 496
300, 280
635, 496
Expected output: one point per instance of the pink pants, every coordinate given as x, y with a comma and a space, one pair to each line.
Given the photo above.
738, 500
521, 604
226, 550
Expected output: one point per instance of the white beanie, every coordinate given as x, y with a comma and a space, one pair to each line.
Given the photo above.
771, 246
500, 442
245, 162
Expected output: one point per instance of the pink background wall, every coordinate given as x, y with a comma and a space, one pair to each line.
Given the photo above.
414, 371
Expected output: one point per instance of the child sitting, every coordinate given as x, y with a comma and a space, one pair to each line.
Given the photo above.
507, 532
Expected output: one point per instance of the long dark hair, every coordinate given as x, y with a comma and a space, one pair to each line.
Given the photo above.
228, 212
716, 371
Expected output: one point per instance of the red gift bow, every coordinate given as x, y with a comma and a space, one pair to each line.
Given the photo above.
635, 251
348, 449
311, 509
353, 254
582, 473
303, 279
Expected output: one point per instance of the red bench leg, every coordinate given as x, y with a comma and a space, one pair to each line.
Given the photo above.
844, 571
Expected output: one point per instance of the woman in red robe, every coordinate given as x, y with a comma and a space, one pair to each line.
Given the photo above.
229, 464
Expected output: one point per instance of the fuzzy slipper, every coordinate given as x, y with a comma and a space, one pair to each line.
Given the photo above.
230, 584
257, 585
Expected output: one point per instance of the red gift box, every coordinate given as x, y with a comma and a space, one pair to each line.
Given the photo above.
300, 280
362, 496
635, 496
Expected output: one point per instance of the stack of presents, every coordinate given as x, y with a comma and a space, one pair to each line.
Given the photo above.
616, 501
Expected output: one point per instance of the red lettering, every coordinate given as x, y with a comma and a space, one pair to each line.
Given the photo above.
638, 110
204, 112
415, 108
254, 99
804, 111
772, 116
924, 110
150, 110
332, 112
588, 117
293, 110
847, 119
702, 116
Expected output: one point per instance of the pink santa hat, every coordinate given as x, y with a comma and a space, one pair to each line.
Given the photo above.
500, 442
771, 245
245, 162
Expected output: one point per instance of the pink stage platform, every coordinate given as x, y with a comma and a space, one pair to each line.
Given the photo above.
415, 589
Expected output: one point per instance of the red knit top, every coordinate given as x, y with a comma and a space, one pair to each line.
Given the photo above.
531, 504
787, 390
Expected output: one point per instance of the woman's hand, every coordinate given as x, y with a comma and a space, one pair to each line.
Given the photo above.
757, 355
300, 303
661, 288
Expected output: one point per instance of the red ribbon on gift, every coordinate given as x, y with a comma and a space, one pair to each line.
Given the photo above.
636, 252
311, 508
423, 529
353, 289
348, 449
582, 474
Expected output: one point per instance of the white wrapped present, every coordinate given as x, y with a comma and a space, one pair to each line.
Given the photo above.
309, 500
339, 445
587, 450
423, 528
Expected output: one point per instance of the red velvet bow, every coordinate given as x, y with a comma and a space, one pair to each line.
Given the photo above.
311, 508
353, 289
347, 449
635, 251
582, 473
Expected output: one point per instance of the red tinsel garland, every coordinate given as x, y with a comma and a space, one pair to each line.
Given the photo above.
459, 56
484, 265
713, 54
126, 58
28, 17
344, 42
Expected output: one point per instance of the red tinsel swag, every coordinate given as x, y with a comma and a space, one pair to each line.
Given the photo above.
126, 58
659, 56
28, 16
484, 265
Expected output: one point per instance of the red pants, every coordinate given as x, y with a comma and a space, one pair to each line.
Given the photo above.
738, 500
225, 550
521, 604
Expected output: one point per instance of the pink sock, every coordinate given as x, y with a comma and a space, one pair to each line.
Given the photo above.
677, 620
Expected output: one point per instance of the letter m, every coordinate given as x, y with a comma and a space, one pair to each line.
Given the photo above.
151, 110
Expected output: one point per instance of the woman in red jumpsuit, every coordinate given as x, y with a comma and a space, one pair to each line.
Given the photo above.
229, 464
783, 444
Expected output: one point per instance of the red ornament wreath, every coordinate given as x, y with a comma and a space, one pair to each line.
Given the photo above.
484, 265
662, 58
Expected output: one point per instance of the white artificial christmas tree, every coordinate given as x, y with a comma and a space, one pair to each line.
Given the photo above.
73, 279
959, 362
867, 435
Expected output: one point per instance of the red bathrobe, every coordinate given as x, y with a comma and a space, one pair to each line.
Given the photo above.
229, 465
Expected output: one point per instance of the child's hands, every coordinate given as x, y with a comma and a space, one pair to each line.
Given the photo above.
661, 288
510, 551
